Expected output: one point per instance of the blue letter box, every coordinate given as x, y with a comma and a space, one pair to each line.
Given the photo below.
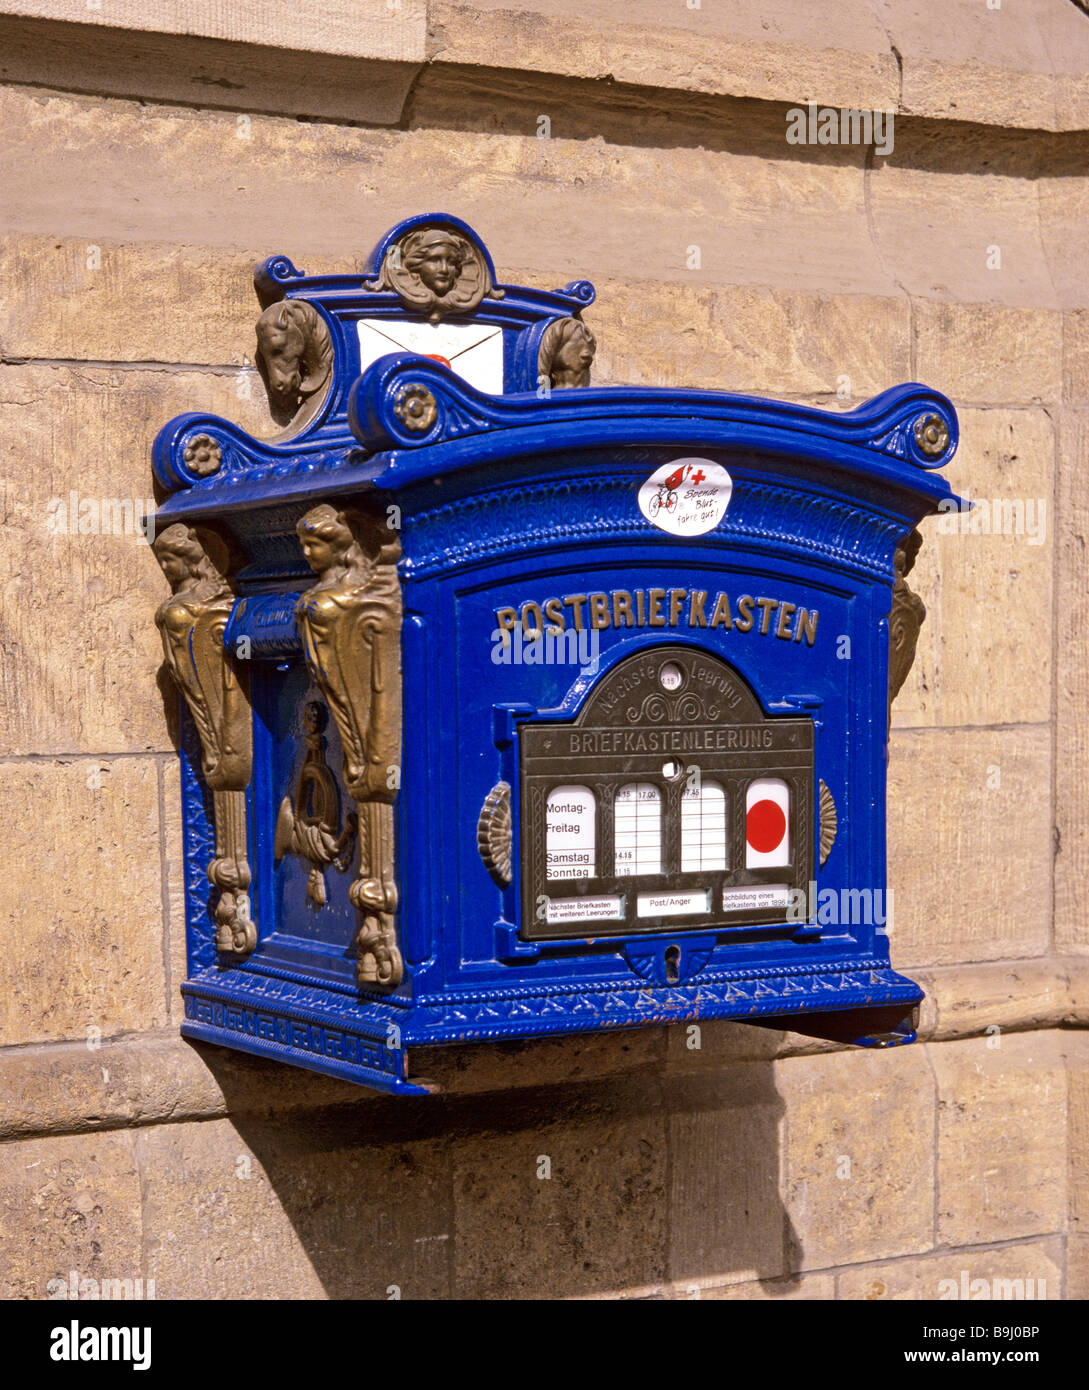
515, 706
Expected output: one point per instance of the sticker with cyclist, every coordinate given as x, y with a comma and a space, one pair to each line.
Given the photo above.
686, 497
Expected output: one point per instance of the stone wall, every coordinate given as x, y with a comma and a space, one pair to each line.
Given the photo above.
149, 161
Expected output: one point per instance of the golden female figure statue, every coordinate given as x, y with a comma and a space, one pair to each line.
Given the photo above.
350, 624
905, 618
192, 623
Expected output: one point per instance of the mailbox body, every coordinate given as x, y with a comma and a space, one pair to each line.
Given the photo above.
641, 775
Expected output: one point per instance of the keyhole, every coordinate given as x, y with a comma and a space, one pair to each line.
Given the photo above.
672, 964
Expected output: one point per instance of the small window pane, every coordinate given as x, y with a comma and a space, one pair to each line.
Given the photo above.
703, 828
637, 842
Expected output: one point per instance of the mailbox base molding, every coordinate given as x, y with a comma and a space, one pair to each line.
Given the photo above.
861, 1001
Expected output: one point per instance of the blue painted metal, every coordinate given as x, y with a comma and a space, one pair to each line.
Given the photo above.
515, 499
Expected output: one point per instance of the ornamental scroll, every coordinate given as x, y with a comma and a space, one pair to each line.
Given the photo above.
192, 623
350, 625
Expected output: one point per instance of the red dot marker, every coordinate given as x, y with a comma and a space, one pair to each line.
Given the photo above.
765, 826
435, 357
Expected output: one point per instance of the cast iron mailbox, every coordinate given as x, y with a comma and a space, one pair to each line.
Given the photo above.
515, 706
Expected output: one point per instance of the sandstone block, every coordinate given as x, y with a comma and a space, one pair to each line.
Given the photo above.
81, 648
1001, 1137
1077, 1060
1072, 689
1064, 210
970, 62
1077, 1267
859, 1176
573, 203
596, 1224
365, 30
1076, 357
966, 241
258, 1209
978, 999
115, 302
81, 904
727, 1222
738, 50
210, 72
68, 1203
991, 614
969, 844
762, 342
989, 353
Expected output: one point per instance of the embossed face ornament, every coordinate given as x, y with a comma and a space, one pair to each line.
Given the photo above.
174, 566
437, 261
319, 553
324, 537
172, 552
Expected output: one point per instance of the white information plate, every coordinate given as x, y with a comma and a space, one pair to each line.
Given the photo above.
570, 820
601, 909
474, 351
768, 895
673, 904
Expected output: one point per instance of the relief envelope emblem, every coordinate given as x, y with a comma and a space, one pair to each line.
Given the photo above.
686, 497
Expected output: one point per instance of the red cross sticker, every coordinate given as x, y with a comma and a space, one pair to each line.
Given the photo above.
698, 476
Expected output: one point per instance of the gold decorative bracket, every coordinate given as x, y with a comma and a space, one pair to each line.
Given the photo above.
350, 625
905, 618
192, 623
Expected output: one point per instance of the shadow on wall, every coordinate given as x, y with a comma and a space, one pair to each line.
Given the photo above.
666, 1175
